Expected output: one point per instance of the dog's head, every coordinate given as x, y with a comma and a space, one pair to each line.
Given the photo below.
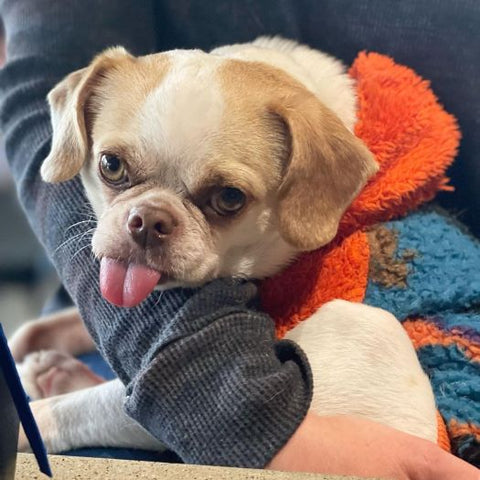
198, 166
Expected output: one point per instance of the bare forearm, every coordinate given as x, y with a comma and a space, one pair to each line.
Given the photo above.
344, 445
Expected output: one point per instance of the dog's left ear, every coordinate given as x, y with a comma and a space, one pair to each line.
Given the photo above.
326, 170
68, 103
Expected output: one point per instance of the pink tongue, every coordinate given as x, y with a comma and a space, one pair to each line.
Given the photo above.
126, 285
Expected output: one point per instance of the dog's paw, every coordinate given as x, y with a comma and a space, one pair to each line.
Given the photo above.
48, 372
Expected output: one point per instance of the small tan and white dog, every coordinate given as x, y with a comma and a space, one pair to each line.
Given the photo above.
200, 166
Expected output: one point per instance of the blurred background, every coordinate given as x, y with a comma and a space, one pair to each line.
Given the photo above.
26, 277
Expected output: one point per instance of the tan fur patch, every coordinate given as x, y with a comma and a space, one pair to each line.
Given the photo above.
253, 146
106, 85
124, 87
326, 165
386, 268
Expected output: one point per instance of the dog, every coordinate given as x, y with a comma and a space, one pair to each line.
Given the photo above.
203, 165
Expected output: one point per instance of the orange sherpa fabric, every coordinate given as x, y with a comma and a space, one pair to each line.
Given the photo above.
423, 333
414, 141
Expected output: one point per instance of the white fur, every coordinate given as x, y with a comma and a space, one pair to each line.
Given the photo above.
322, 74
253, 248
90, 417
364, 364
180, 122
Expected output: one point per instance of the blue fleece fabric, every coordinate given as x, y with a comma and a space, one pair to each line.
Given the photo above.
443, 291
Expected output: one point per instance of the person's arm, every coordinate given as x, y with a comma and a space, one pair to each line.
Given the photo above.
344, 445
203, 369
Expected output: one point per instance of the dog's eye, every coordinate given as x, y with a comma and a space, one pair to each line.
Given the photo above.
113, 169
228, 200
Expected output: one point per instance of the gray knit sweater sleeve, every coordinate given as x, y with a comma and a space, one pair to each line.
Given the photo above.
203, 370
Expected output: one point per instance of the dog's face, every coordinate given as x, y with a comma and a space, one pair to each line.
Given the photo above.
199, 166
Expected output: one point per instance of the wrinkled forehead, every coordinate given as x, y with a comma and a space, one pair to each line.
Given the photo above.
179, 114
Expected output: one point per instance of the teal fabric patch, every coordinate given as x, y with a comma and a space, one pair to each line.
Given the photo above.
455, 381
443, 287
444, 274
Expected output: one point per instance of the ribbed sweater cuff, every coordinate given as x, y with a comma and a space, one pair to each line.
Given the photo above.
248, 393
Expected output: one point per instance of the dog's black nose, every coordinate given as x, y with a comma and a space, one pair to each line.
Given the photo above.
149, 226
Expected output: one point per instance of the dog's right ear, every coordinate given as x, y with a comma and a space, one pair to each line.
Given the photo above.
68, 103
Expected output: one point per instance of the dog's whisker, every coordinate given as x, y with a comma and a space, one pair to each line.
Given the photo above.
66, 242
158, 299
79, 237
81, 250
76, 237
88, 232
81, 222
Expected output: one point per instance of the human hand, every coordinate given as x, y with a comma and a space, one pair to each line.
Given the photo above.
345, 445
